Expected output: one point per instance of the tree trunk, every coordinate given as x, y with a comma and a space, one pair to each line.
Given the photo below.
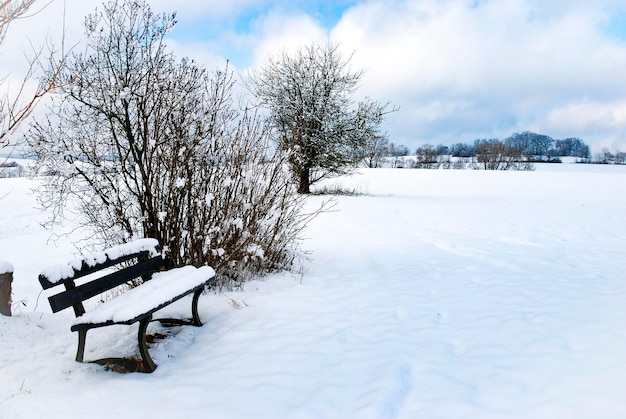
5, 293
305, 185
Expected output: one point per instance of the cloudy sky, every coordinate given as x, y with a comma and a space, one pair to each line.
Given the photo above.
457, 69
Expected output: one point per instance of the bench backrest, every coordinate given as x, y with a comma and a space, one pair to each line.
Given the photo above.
74, 295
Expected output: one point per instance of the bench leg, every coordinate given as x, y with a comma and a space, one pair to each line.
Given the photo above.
195, 318
82, 336
148, 363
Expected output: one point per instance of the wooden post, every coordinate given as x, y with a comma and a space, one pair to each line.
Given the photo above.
6, 278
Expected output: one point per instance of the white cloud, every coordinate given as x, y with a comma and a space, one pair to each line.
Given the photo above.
510, 62
604, 121
280, 32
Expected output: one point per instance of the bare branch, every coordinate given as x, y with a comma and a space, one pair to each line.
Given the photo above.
16, 107
11, 10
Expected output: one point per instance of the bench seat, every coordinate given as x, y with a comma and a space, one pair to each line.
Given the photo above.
163, 289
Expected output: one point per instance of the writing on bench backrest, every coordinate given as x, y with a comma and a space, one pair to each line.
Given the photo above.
74, 295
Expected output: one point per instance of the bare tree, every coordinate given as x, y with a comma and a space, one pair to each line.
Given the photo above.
605, 156
426, 157
310, 96
496, 155
376, 148
144, 145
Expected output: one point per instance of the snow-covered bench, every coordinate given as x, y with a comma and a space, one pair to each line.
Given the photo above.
141, 259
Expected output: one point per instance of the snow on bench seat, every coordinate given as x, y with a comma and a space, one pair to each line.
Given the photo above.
161, 290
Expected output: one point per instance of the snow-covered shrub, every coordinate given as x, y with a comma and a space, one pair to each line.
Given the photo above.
146, 145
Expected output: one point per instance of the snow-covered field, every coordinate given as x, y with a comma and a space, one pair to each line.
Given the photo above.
436, 294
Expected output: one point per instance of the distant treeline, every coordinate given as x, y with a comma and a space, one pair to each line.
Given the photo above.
518, 152
535, 147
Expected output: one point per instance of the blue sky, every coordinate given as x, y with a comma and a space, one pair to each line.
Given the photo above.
616, 23
326, 13
458, 69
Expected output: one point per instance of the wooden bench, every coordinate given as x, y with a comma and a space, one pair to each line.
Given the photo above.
140, 259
